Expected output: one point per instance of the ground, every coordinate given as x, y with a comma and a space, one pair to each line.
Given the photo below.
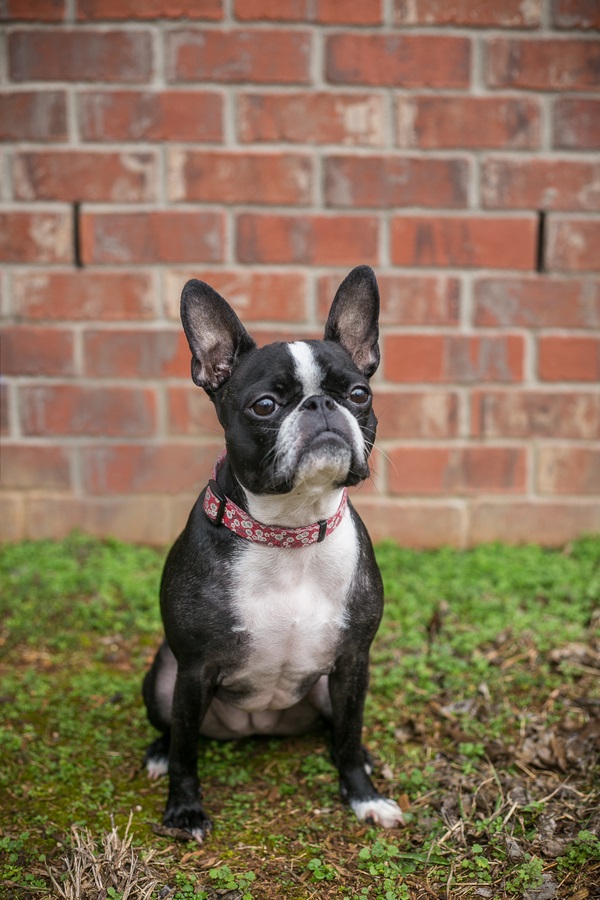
483, 719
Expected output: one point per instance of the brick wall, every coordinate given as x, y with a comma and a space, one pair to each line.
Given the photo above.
267, 146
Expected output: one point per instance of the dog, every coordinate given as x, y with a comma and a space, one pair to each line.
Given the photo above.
271, 596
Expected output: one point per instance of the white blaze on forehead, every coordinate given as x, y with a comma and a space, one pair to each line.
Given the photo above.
307, 369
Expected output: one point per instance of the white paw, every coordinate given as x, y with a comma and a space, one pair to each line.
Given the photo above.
157, 767
379, 811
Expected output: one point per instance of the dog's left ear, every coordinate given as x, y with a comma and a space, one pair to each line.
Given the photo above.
353, 319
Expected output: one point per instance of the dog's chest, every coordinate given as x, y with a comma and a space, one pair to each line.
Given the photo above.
291, 608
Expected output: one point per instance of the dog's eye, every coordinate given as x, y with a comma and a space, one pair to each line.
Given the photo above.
266, 406
360, 396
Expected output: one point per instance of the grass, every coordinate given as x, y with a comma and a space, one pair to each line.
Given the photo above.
483, 718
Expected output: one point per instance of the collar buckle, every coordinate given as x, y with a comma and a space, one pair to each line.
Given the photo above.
322, 523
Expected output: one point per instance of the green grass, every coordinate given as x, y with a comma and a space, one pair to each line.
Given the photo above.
483, 717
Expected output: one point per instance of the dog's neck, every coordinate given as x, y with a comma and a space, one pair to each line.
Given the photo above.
297, 508
311, 501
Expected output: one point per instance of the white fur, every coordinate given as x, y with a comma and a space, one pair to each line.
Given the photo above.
307, 369
292, 603
379, 811
157, 767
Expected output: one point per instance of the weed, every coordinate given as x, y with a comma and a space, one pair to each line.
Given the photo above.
321, 871
224, 879
527, 877
584, 849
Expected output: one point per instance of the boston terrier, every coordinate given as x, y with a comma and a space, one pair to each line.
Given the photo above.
271, 596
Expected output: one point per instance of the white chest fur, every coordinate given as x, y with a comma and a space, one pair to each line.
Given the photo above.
291, 604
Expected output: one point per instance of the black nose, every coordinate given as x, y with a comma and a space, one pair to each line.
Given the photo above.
318, 402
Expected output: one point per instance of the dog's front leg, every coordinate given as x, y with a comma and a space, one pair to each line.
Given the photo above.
348, 690
192, 696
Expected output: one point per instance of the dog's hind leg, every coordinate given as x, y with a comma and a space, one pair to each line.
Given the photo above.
157, 690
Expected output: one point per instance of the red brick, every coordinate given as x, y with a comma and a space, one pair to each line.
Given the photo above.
455, 122
405, 299
135, 353
4, 409
573, 245
66, 54
576, 14
551, 64
569, 358
312, 118
265, 56
36, 237
12, 517
540, 184
469, 13
576, 123
268, 335
428, 414
27, 466
307, 240
465, 241
453, 358
530, 414
152, 237
550, 524
75, 175
190, 412
322, 12
391, 181
145, 520
398, 60
233, 177
255, 296
69, 410
97, 10
374, 484
33, 116
537, 302
417, 524
150, 468
568, 470
35, 350
81, 295
40, 11
457, 470
170, 115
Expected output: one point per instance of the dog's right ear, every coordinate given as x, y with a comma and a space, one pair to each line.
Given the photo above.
216, 336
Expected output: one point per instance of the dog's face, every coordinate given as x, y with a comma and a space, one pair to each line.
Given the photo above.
295, 415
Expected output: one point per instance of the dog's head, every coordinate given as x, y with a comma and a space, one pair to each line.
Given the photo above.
294, 414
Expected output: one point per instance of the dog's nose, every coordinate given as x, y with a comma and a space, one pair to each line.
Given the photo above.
318, 402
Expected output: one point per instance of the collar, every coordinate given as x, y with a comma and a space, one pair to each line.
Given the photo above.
223, 511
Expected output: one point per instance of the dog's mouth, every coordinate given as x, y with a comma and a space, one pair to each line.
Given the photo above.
325, 460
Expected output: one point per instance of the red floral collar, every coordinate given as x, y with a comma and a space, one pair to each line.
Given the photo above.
222, 511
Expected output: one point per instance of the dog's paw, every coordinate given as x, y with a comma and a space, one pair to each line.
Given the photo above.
378, 811
156, 759
184, 823
156, 766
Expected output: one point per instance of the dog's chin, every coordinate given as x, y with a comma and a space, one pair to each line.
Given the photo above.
322, 467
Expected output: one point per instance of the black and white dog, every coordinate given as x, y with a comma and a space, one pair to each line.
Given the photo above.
271, 596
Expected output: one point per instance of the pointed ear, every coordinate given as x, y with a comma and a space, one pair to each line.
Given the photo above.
216, 336
353, 318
